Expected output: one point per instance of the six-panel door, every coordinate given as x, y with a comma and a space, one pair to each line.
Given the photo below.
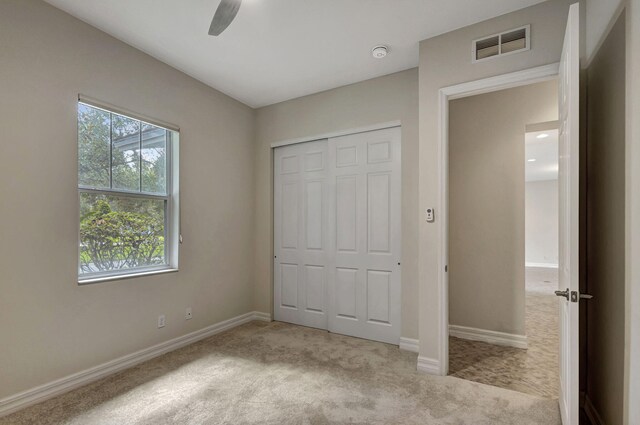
301, 234
364, 280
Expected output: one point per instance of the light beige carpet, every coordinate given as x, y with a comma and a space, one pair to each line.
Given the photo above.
275, 373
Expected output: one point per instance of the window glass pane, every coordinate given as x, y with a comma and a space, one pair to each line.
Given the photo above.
120, 233
154, 148
94, 126
125, 151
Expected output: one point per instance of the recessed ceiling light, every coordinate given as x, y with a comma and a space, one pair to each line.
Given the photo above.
542, 136
379, 52
531, 160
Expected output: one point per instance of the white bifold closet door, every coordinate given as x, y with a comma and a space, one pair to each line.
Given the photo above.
301, 234
365, 235
337, 234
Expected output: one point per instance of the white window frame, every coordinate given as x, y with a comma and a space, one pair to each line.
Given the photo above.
172, 199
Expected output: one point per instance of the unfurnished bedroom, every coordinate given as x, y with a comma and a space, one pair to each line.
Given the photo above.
319, 212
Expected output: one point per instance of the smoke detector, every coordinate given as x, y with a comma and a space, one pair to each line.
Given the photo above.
379, 52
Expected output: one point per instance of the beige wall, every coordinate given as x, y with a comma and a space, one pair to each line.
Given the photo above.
599, 19
632, 217
51, 327
384, 99
487, 204
541, 222
606, 226
444, 61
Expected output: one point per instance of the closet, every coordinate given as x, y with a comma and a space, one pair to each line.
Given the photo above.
337, 234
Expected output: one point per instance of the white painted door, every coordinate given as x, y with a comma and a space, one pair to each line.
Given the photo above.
364, 282
337, 234
569, 185
301, 234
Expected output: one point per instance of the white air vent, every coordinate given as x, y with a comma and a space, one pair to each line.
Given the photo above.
505, 43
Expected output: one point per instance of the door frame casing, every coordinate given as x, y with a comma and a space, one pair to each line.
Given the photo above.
446, 94
338, 133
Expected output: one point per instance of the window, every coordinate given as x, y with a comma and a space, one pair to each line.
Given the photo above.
128, 195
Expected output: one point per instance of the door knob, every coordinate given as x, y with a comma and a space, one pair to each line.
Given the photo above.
573, 296
563, 293
576, 296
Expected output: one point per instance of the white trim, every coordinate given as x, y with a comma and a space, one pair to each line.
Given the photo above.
542, 126
38, 394
490, 337
121, 276
409, 344
373, 127
502, 82
428, 365
105, 106
591, 412
443, 235
472, 88
262, 317
542, 265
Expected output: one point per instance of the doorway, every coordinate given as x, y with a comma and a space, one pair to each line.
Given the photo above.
503, 320
567, 73
541, 254
337, 234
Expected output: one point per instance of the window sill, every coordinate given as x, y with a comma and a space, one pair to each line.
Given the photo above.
100, 279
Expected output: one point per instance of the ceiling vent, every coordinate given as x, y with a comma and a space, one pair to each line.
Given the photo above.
505, 43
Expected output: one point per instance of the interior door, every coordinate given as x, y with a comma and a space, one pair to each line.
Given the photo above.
364, 278
569, 191
300, 234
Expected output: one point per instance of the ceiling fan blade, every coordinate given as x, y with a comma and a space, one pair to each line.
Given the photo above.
227, 10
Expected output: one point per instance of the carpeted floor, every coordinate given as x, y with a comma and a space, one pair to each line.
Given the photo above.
532, 371
275, 373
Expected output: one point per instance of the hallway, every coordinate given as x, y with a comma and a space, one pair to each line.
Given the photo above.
532, 371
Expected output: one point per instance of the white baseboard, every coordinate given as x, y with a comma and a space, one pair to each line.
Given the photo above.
409, 344
591, 412
38, 394
542, 265
261, 317
429, 365
491, 337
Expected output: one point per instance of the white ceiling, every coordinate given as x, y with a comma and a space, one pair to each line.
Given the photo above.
282, 49
545, 153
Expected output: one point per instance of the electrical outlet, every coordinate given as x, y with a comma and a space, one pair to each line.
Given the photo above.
188, 314
161, 321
